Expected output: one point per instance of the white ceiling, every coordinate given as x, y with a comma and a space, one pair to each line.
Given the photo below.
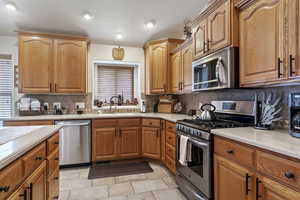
110, 17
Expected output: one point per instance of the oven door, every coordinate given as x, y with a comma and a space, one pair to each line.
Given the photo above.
198, 171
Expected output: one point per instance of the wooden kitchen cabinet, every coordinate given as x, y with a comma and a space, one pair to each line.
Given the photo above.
215, 28
37, 183
231, 181
35, 64
293, 7
52, 63
176, 72
262, 57
200, 38
104, 144
158, 63
219, 27
28, 123
70, 61
151, 141
187, 59
129, 142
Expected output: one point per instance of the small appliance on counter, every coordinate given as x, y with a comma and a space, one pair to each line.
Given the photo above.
294, 114
29, 106
166, 104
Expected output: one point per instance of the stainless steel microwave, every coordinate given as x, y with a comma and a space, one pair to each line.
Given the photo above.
216, 71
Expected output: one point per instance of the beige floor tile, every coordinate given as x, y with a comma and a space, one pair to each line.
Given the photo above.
116, 198
93, 193
83, 174
71, 184
103, 181
64, 195
69, 175
170, 181
142, 196
157, 174
135, 177
148, 185
120, 189
173, 194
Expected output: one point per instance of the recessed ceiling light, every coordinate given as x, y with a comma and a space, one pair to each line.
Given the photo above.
11, 6
119, 36
87, 16
150, 24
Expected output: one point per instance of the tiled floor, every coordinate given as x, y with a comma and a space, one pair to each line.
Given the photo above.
158, 185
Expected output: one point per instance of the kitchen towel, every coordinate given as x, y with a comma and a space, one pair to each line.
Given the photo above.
185, 151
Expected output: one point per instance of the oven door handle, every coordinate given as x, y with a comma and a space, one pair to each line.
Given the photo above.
198, 143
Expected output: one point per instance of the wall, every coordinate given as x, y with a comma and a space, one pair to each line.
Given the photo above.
9, 45
191, 101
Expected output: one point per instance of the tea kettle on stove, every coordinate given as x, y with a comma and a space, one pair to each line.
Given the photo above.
207, 113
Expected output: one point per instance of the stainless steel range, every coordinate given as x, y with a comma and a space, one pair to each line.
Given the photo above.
195, 178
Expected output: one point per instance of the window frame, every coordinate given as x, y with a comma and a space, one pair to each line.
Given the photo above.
137, 74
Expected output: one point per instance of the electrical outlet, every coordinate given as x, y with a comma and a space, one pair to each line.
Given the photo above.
57, 105
80, 105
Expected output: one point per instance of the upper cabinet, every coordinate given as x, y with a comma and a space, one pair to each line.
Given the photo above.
36, 61
52, 64
215, 28
181, 68
262, 57
158, 62
70, 66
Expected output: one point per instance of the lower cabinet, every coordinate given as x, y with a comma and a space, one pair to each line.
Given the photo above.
37, 183
104, 144
232, 182
151, 142
235, 180
129, 142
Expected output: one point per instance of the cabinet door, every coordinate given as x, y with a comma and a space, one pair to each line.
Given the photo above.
35, 64
200, 39
104, 144
261, 42
20, 194
129, 143
37, 183
294, 35
231, 181
151, 142
187, 58
159, 68
176, 72
219, 27
272, 190
70, 66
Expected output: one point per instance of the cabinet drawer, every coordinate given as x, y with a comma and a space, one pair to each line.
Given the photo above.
171, 151
28, 123
11, 177
53, 161
52, 143
286, 170
34, 158
171, 138
53, 185
234, 151
129, 122
170, 164
105, 123
171, 127
151, 122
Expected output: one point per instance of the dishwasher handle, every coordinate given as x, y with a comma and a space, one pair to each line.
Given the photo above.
73, 124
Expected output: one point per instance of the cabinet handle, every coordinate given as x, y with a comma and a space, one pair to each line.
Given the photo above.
56, 158
204, 46
258, 196
50, 87
279, 67
55, 87
289, 175
208, 42
56, 178
291, 61
247, 184
230, 151
39, 158
24, 194
55, 198
4, 189
120, 132
56, 142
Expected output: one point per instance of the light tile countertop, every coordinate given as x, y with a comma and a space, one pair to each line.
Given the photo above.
15, 141
278, 141
169, 117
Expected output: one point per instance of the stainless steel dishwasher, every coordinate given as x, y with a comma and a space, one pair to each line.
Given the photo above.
75, 143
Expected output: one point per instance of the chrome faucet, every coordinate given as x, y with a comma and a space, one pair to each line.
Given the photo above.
111, 102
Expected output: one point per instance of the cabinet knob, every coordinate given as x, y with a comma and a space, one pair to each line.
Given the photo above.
56, 142
230, 151
39, 158
56, 158
289, 175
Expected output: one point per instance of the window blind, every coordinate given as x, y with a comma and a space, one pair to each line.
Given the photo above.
113, 81
6, 87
